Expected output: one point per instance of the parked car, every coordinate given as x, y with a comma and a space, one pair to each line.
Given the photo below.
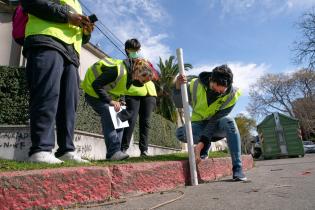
309, 147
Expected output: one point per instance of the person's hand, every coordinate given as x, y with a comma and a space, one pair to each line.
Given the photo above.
181, 79
197, 151
88, 28
115, 104
78, 20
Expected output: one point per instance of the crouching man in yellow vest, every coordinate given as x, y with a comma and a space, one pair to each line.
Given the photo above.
105, 83
54, 34
212, 98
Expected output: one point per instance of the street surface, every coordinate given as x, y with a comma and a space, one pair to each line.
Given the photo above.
286, 184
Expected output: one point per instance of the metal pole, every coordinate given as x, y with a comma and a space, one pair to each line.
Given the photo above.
189, 135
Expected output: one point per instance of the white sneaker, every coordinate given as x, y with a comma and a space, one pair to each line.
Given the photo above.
74, 157
44, 157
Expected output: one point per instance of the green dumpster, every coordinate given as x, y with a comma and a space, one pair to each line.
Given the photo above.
280, 136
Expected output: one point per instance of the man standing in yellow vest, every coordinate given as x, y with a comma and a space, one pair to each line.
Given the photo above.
54, 34
142, 101
105, 84
212, 98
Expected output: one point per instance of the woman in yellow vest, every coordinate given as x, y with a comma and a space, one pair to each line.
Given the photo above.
212, 98
105, 83
54, 34
142, 101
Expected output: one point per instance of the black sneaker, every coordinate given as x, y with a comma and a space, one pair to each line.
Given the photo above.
144, 154
240, 179
204, 157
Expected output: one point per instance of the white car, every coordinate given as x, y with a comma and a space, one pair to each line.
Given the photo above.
309, 147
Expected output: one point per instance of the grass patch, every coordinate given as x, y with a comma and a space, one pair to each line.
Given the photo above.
11, 165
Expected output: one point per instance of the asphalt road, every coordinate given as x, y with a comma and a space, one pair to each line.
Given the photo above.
286, 184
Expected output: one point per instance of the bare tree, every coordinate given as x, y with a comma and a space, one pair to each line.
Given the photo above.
304, 82
272, 92
305, 48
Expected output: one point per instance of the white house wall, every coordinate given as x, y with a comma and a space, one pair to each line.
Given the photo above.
86, 59
9, 50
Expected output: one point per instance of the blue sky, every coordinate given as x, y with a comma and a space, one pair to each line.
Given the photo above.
253, 36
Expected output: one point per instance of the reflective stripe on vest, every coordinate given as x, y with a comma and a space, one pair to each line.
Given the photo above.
205, 113
65, 32
116, 88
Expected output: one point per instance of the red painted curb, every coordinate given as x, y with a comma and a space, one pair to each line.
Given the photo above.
68, 186
148, 177
53, 187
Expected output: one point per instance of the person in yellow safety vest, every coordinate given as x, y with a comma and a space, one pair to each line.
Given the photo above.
212, 98
105, 83
142, 101
54, 34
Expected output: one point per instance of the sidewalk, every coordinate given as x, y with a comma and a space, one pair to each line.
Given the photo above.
68, 186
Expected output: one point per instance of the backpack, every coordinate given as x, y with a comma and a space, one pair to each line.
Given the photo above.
19, 20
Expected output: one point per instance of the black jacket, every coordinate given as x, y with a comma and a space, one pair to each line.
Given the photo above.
55, 12
109, 74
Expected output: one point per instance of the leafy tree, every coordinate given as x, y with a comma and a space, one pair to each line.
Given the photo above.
305, 48
246, 127
168, 71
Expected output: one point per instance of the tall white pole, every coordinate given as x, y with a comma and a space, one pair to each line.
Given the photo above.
189, 135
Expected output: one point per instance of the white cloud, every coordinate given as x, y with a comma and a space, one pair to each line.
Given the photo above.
133, 19
260, 8
244, 74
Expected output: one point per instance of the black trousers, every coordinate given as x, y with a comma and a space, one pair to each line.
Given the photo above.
54, 94
142, 106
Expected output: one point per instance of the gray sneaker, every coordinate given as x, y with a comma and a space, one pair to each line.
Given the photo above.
119, 156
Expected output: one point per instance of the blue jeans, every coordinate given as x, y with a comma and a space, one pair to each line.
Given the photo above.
112, 136
225, 127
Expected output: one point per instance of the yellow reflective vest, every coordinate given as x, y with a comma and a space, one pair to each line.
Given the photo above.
148, 89
116, 88
65, 32
201, 110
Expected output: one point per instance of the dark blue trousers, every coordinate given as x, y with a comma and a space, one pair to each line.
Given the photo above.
54, 94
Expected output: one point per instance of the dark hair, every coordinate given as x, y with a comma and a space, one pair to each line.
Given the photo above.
222, 75
132, 44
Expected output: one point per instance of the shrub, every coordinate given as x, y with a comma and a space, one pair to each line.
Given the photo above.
13, 96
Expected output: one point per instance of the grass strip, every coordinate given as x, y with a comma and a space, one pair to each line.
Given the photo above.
11, 165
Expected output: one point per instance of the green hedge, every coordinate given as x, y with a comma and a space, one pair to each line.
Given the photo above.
14, 110
13, 96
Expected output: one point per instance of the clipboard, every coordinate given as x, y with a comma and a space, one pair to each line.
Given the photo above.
116, 121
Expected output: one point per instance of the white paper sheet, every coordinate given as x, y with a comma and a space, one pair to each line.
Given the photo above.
116, 121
